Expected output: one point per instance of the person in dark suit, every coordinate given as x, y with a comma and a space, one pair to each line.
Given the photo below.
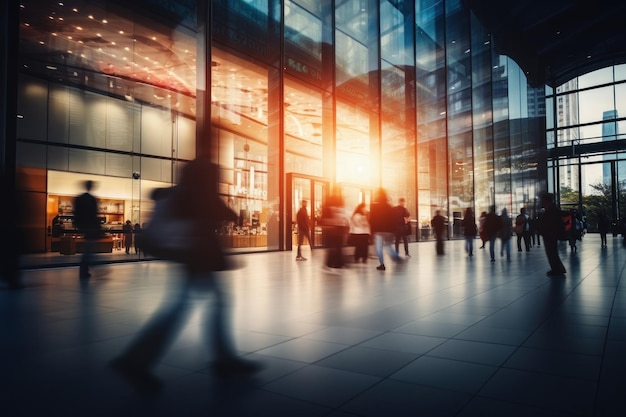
87, 222
128, 235
491, 229
549, 228
469, 230
136, 231
403, 226
196, 199
604, 225
438, 224
304, 229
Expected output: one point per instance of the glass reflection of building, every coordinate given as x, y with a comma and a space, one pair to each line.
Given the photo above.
290, 97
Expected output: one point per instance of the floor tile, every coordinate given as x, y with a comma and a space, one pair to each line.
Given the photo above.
477, 352
399, 399
564, 395
376, 362
303, 350
555, 363
442, 336
402, 342
445, 374
320, 385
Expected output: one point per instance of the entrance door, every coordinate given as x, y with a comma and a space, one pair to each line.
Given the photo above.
313, 190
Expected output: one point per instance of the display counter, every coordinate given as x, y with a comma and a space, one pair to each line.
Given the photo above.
69, 244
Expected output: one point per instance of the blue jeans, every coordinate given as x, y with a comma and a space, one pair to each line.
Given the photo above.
469, 245
492, 246
506, 248
385, 240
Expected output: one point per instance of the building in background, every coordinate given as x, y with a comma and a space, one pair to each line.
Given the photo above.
290, 98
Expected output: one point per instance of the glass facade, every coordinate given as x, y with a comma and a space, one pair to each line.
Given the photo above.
291, 98
586, 118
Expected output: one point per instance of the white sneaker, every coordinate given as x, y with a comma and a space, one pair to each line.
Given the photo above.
300, 258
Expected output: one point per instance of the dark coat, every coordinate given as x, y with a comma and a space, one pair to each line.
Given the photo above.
86, 215
381, 218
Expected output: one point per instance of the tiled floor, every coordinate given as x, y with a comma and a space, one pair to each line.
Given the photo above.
439, 336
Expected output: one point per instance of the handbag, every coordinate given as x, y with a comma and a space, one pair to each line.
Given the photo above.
167, 235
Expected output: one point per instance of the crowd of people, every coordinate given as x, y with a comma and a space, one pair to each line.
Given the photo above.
386, 227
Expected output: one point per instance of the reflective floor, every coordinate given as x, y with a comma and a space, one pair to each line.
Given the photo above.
438, 336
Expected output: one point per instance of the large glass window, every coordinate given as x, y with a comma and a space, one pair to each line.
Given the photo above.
108, 96
590, 110
482, 167
303, 129
460, 157
239, 115
431, 111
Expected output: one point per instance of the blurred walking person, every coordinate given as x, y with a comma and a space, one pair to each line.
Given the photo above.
195, 200
481, 229
491, 228
550, 229
522, 229
469, 230
304, 229
403, 226
336, 226
87, 222
506, 232
360, 233
439, 226
604, 224
383, 228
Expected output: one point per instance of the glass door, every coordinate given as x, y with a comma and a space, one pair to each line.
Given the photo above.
312, 191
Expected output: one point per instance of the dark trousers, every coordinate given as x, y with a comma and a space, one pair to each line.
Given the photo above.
334, 255
551, 246
87, 257
361, 247
176, 308
303, 233
439, 245
402, 236
525, 236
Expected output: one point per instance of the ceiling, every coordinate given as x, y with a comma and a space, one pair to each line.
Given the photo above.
554, 41
112, 50
80, 43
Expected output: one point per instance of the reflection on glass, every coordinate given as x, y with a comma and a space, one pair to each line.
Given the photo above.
239, 115
303, 29
353, 144
303, 129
